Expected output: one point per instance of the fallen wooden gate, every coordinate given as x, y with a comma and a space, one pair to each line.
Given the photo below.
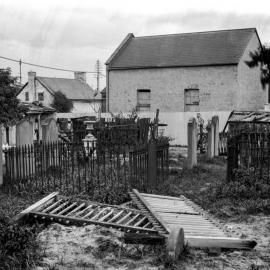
167, 213
56, 208
158, 215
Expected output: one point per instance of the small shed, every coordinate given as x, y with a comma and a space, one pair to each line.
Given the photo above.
249, 142
248, 121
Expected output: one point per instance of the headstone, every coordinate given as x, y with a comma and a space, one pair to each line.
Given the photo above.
192, 143
175, 243
49, 130
24, 132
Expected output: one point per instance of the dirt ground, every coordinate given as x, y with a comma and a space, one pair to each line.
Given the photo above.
94, 247
91, 247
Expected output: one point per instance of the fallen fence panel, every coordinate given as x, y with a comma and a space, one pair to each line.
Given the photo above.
56, 208
168, 213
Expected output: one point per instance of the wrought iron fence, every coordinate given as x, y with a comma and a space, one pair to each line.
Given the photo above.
78, 167
249, 150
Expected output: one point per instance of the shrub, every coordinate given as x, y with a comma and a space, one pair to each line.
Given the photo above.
17, 245
247, 184
61, 103
247, 194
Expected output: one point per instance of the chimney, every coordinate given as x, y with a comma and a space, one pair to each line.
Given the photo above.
81, 76
32, 86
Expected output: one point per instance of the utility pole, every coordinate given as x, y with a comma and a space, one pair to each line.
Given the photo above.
98, 70
20, 63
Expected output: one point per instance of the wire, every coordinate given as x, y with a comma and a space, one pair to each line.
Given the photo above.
41, 66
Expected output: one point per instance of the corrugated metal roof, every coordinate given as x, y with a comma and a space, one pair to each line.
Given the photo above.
36, 108
249, 116
72, 88
192, 49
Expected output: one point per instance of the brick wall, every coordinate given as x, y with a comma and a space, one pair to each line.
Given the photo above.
217, 88
221, 88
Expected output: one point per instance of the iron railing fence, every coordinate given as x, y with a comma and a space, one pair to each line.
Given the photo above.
77, 168
249, 150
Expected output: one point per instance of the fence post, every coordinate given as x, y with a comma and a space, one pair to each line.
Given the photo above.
1, 157
152, 163
210, 140
192, 143
215, 121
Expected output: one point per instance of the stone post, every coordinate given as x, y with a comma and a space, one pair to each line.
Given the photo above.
1, 157
215, 121
192, 143
210, 140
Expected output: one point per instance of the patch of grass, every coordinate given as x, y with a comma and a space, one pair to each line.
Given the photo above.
247, 194
18, 246
207, 186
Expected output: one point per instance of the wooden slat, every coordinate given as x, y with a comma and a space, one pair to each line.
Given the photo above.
99, 213
140, 222
147, 224
90, 213
177, 212
123, 218
153, 213
51, 206
107, 215
79, 213
116, 216
219, 242
66, 209
161, 196
35, 206
81, 221
76, 209
133, 219
59, 207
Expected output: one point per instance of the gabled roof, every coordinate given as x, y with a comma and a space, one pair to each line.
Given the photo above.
72, 88
191, 49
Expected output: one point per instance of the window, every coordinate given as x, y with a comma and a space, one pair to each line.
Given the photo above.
192, 100
41, 96
26, 96
143, 100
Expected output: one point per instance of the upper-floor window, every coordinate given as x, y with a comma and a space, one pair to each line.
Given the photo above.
41, 96
192, 100
143, 100
26, 96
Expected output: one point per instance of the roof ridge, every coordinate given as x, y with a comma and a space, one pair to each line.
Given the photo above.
199, 32
55, 78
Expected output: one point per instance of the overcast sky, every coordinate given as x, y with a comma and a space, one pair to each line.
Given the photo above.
74, 34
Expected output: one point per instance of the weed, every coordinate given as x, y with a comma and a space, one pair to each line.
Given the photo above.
17, 246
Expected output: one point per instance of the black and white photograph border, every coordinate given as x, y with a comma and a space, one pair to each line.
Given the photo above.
134, 134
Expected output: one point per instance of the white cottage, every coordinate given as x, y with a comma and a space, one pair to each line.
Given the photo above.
42, 89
